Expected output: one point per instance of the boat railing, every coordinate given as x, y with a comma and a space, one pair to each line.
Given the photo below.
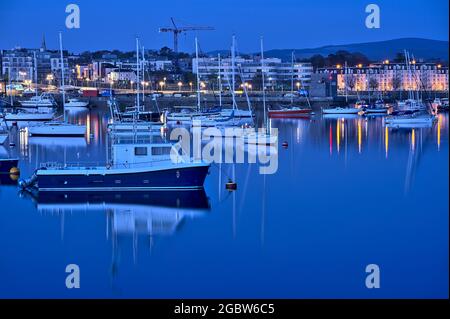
71, 165
98, 165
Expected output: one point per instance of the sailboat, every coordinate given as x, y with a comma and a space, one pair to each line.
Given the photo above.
413, 112
38, 108
291, 111
130, 122
58, 128
262, 137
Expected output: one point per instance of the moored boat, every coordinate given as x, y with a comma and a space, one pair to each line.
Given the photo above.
75, 103
289, 112
57, 128
340, 110
134, 167
26, 116
43, 100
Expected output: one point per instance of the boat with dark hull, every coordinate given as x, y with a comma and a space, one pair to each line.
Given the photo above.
135, 167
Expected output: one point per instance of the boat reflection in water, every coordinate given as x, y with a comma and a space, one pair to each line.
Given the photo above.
8, 179
129, 213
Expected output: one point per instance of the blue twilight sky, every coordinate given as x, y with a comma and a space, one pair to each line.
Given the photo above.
285, 24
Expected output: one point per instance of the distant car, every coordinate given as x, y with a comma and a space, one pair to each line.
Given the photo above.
177, 95
290, 95
192, 95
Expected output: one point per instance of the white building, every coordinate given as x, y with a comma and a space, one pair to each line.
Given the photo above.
276, 72
122, 75
389, 76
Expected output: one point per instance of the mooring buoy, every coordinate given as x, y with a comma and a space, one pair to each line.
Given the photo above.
231, 186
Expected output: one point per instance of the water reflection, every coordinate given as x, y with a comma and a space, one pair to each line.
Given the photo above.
340, 178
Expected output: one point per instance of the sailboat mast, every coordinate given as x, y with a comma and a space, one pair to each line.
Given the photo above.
292, 77
143, 77
219, 61
62, 74
137, 75
35, 73
198, 74
233, 77
263, 82
346, 82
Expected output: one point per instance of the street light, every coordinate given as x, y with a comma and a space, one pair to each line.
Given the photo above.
161, 85
131, 86
298, 85
190, 84
179, 86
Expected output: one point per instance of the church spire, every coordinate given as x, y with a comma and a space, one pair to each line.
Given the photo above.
43, 45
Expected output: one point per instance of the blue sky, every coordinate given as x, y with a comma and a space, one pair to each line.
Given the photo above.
283, 23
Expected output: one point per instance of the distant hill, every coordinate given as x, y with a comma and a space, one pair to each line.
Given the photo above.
376, 51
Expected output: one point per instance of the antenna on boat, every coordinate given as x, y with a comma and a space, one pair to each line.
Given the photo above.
62, 75
198, 75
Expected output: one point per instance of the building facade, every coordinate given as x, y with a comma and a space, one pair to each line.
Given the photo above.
18, 65
276, 72
388, 77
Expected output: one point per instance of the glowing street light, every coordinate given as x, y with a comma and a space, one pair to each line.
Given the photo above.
298, 85
180, 84
161, 85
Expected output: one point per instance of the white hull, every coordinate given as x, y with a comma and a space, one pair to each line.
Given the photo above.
57, 129
140, 127
76, 104
341, 110
26, 116
29, 104
237, 113
376, 111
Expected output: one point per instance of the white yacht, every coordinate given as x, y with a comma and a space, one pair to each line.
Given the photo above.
43, 100
40, 114
75, 103
341, 110
57, 128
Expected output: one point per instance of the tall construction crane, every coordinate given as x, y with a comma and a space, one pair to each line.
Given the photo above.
177, 30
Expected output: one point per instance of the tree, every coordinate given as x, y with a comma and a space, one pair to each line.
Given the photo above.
396, 83
350, 81
399, 57
257, 80
317, 61
373, 83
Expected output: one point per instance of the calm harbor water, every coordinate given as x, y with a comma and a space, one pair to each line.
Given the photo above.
347, 193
